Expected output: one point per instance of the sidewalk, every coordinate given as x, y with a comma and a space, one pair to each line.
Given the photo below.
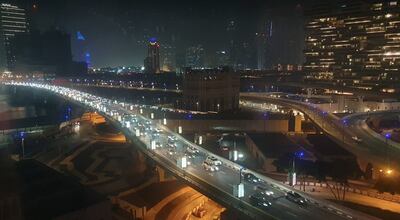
355, 198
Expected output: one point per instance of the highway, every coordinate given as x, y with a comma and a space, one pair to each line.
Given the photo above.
371, 149
375, 143
171, 150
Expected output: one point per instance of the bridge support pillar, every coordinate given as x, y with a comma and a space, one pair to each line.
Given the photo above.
163, 175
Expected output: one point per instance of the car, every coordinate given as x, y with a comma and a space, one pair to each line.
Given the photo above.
190, 155
210, 166
171, 151
171, 145
356, 139
192, 150
259, 201
171, 139
213, 160
296, 198
264, 190
249, 177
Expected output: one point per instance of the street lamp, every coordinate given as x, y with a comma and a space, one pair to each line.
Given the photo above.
292, 173
179, 127
387, 137
344, 122
22, 135
240, 173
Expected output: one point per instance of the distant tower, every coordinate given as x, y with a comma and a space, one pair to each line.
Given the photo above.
83, 52
195, 57
12, 21
152, 61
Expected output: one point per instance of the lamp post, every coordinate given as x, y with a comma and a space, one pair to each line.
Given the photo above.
240, 174
22, 135
344, 122
387, 137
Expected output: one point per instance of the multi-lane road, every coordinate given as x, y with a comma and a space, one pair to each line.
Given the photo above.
370, 149
171, 150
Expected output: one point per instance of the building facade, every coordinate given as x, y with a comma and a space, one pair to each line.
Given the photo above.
152, 61
353, 43
211, 89
195, 57
47, 52
12, 22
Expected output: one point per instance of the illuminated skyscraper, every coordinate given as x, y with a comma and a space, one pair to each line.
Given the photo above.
82, 52
152, 61
12, 21
356, 43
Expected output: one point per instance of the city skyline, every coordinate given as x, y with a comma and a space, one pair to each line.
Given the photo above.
228, 110
125, 28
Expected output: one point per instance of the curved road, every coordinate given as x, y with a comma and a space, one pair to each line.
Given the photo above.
371, 149
167, 147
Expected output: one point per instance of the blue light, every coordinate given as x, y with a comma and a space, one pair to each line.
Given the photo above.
153, 40
388, 135
79, 36
299, 154
21, 134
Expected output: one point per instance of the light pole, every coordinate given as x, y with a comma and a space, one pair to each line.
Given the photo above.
344, 122
22, 135
387, 137
240, 174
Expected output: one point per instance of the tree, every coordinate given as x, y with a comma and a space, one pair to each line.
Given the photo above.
340, 171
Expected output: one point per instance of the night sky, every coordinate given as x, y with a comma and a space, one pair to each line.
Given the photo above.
116, 31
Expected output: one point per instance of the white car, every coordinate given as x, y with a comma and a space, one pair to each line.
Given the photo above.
213, 160
210, 167
192, 150
356, 139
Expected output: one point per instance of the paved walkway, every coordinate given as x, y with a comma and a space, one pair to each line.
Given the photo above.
356, 198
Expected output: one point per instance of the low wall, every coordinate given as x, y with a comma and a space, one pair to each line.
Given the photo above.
256, 126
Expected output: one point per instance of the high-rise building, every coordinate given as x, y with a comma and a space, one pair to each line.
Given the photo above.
12, 21
279, 37
221, 58
195, 57
168, 57
211, 89
152, 61
82, 51
47, 52
355, 43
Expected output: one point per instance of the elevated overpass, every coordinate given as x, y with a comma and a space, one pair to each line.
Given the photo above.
153, 138
372, 148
